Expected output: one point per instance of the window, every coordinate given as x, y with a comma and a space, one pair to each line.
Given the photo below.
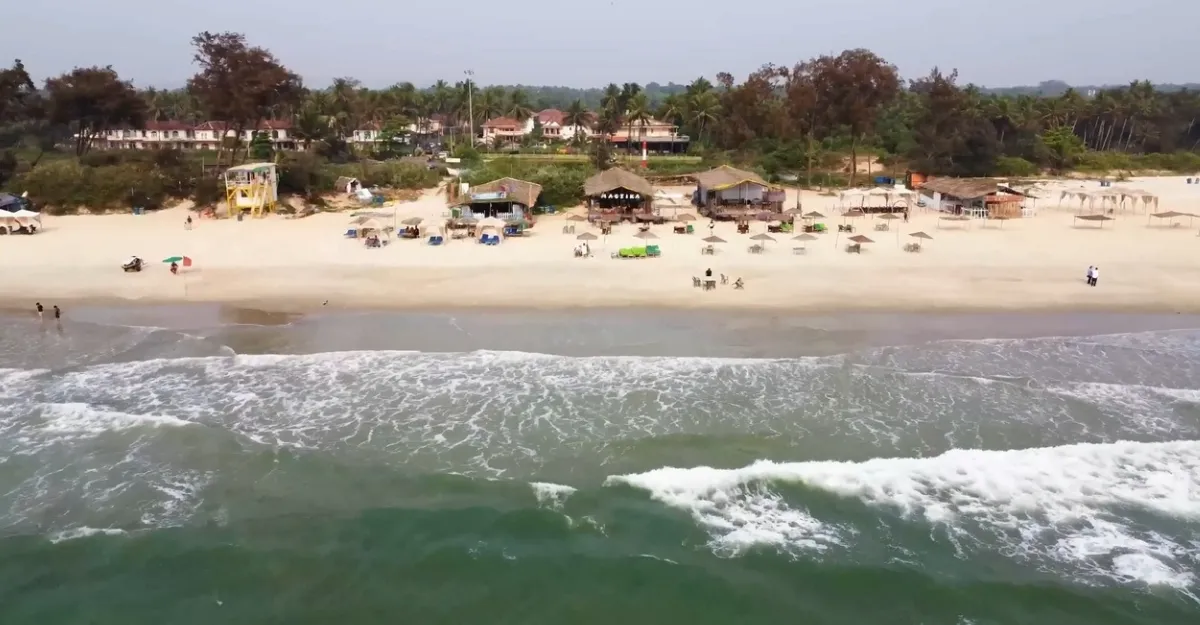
175, 134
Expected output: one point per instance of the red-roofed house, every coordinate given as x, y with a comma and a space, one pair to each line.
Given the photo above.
551, 121
505, 128
175, 135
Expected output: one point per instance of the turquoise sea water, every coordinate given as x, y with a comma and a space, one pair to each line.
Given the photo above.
189, 467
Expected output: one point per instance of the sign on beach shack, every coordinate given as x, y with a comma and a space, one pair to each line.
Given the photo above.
620, 190
976, 197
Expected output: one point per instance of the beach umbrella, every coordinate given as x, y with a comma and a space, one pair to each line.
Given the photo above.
814, 215
762, 237
804, 237
713, 239
587, 236
685, 217
646, 235
413, 221
889, 216
576, 218
182, 260
921, 235
858, 238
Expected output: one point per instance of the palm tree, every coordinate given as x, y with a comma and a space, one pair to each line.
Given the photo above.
705, 109
518, 105
638, 111
577, 117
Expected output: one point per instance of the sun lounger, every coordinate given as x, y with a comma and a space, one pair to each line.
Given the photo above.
653, 251
352, 234
436, 240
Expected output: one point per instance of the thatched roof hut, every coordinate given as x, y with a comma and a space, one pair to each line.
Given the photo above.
997, 198
504, 190
615, 179
726, 177
968, 188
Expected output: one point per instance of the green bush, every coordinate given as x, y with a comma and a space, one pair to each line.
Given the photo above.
562, 182
1015, 166
65, 186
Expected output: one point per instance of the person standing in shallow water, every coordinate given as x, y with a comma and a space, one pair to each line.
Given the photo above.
41, 310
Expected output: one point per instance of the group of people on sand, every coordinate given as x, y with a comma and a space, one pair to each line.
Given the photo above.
1093, 275
737, 284
41, 311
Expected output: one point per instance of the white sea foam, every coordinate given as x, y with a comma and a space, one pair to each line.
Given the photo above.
1071, 504
84, 532
551, 495
85, 419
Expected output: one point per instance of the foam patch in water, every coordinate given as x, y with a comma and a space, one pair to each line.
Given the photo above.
1071, 504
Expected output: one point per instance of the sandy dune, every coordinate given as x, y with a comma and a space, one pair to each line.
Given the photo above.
1031, 263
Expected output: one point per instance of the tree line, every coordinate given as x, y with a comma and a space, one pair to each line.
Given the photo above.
781, 118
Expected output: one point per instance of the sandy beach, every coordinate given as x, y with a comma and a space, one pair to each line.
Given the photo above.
281, 263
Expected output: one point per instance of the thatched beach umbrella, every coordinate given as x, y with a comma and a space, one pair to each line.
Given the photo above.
1171, 216
1093, 218
576, 218
804, 238
646, 234
762, 237
921, 235
860, 239
713, 239
814, 215
587, 236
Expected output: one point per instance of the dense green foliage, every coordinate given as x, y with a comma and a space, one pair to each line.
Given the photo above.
812, 120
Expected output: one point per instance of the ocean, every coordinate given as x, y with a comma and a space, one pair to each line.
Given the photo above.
209, 465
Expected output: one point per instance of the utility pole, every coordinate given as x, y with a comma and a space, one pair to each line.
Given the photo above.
471, 104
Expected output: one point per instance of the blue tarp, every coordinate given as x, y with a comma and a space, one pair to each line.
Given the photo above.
11, 203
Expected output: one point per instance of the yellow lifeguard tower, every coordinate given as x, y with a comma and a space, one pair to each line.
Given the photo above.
253, 187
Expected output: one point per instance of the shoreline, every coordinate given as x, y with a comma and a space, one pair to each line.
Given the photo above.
898, 289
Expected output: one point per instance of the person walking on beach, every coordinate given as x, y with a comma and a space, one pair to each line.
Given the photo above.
57, 313
40, 309
1088, 276
1095, 275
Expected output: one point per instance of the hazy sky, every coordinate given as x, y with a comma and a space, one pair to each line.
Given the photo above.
580, 44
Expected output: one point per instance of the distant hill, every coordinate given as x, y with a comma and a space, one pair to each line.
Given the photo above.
1052, 88
549, 96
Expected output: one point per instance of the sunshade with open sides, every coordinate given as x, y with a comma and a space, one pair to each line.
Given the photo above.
587, 236
713, 240
858, 238
182, 260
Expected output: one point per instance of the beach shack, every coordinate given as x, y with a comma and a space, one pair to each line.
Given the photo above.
974, 197
727, 189
507, 198
616, 194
